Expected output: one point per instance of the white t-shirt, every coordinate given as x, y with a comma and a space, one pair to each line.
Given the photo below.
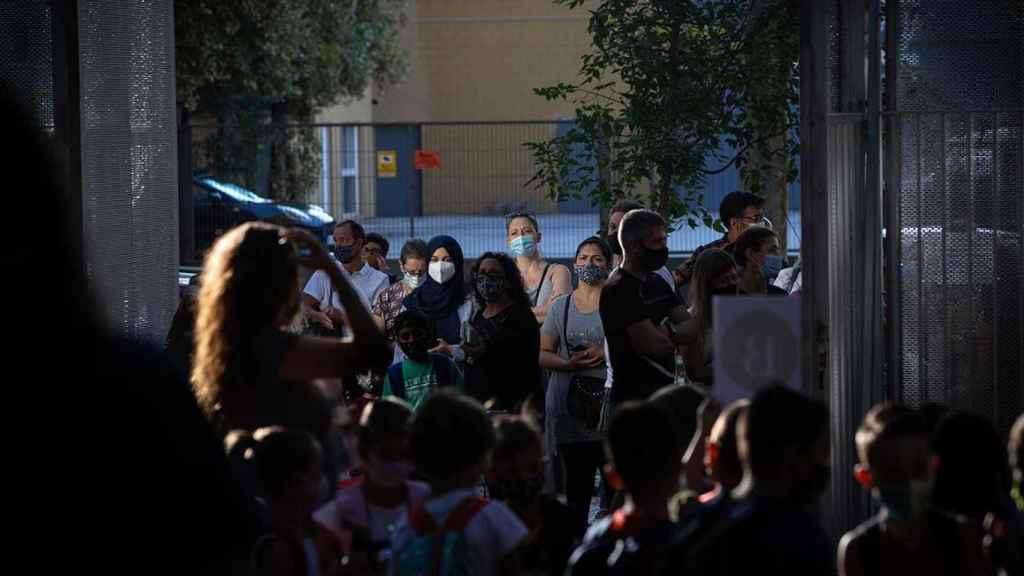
368, 282
350, 508
493, 533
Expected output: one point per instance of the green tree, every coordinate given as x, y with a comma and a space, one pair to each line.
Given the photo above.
665, 83
256, 65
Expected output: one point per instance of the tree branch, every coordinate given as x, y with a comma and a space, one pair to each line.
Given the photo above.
742, 151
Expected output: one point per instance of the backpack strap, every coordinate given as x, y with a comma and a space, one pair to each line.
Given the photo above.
442, 369
464, 513
565, 325
421, 522
397, 379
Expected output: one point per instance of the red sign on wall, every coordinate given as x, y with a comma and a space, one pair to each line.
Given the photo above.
427, 160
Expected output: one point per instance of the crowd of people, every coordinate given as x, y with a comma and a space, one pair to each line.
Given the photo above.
514, 416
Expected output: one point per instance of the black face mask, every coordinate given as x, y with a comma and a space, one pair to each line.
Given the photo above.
730, 290
518, 493
816, 481
653, 260
417, 350
613, 241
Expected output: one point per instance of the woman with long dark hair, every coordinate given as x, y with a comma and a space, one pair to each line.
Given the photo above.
504, 347
249, 372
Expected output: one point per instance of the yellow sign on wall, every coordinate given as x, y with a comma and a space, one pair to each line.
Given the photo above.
387, 164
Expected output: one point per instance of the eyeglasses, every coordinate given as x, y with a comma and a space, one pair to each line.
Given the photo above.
758, 221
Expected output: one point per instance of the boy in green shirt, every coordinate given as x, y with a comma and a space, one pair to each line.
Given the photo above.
422, 371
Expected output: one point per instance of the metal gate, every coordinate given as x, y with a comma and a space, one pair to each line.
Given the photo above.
955, 193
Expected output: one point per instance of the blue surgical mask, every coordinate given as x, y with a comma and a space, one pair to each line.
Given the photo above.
904, 501
771, 265
523, 246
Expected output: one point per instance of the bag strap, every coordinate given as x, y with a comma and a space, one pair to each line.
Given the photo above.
397, 378
464, 513
565, 323
442, 369
543, 276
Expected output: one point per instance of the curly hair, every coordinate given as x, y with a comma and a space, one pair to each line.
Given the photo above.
250, 284
513, 279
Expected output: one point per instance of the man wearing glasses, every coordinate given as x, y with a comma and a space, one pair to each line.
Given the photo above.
738, 211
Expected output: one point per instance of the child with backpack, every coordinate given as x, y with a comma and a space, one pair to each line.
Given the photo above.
643, 462
421, 371
907, 536
455, 531
363, 514
516, 478
289, 469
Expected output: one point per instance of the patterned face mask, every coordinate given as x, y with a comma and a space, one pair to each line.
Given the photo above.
591, 274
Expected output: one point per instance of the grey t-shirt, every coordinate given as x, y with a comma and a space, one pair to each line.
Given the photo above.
583, 330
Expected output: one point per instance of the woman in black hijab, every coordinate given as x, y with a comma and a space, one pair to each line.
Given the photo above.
443, 297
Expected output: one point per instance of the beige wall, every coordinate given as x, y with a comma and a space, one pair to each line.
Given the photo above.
474, 60
481, 60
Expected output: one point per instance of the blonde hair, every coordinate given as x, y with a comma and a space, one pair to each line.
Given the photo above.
710, 265
249, 279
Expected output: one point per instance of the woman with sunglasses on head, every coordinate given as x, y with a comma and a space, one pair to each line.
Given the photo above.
504, 353
543, 281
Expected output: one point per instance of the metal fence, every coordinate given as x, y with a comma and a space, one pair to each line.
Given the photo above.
956, 192
367, 172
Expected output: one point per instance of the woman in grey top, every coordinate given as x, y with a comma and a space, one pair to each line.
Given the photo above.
572, 350
544, 281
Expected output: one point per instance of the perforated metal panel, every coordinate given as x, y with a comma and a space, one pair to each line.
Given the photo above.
26, 57
960, 98
129, 178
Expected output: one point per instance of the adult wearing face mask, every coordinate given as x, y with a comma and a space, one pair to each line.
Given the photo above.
572, 350
442, 296
389, 303
543, 281
505, 349
635, 303
714, 275
320, 302
615, 216
758, 261
738, 211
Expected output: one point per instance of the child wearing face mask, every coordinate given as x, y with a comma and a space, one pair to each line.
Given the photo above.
421, 372
906, 536
363, 515
288, 468
516, 478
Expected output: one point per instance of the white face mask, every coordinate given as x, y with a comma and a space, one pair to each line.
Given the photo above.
441, 272
413, 281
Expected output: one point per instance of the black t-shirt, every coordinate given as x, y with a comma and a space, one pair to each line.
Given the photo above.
509, 368
762, 536
625, 301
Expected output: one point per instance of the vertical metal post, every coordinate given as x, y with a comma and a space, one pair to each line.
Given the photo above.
67, 117
892, 204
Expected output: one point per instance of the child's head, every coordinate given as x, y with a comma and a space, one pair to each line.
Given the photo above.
643, 451
289, 467
414, 335
517, 467
787, 442
971, 472
892, 443
384, 442
451, 438
1016, 449
721, 455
